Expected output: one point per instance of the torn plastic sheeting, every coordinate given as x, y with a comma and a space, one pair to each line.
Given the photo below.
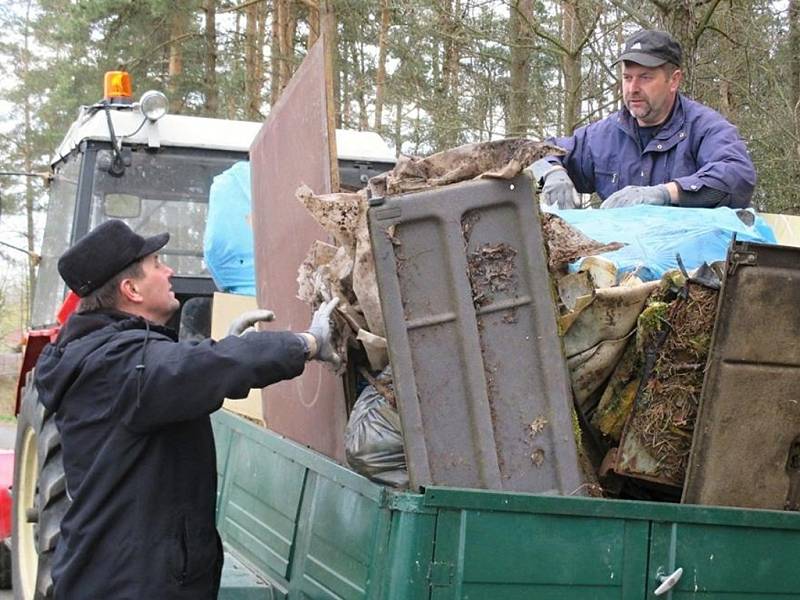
228, 238
655, 234
611, 315
597, 333
589, 369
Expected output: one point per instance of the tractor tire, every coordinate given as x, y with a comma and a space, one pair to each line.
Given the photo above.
5, 567
40, 498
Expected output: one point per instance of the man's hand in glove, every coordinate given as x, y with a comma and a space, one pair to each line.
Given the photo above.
632, 195
557, 187
320, 330
246, 322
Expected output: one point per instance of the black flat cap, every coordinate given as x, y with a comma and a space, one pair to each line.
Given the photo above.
104, 252
651, 48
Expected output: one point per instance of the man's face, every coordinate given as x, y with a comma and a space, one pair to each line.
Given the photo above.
158, 299
649, 92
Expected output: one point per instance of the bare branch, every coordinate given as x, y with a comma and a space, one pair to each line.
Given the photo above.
237, 7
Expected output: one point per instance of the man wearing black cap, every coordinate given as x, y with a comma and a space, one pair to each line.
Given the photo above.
132, 406
662, 148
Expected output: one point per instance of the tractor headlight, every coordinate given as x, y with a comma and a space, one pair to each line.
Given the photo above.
154, 105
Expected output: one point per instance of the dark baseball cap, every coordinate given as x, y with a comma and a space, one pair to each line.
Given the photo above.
651, 48
102, 253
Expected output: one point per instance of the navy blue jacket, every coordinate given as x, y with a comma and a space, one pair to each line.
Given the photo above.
696, 147
139, 451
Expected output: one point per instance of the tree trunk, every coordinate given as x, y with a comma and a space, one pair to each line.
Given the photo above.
445, 111
178, 29
794, 53
398, 128
28, 166
287, 24
275, 60
571, 65
251, 51
686, 21
520, 40
327, 22
380, 76
794, 71
261, 36
313, 24
357, 57
210, 82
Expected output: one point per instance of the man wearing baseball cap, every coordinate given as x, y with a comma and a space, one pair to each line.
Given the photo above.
132, 406
661, 148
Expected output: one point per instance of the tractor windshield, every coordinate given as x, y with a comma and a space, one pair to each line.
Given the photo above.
162, 190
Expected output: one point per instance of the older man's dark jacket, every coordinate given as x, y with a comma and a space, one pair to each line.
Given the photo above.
132, 405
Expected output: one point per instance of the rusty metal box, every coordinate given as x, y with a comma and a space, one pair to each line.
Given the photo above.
481, 382
746, 449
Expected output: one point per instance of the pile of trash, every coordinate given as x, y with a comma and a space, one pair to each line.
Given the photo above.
636, 325
636, 308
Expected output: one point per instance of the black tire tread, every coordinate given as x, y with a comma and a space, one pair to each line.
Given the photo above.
52, 499
5, 567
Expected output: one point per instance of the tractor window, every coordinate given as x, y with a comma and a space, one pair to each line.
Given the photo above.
165, 190
50, 288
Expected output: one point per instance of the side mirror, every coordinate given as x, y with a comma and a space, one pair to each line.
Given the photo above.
122, 206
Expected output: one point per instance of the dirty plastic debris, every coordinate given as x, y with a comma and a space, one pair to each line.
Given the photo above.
374, 439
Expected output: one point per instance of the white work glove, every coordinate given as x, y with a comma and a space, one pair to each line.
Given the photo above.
557, 187
631, 195
246, 322
321, 329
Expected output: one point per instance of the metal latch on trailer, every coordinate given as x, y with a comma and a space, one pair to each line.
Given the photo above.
440, 574
741, 257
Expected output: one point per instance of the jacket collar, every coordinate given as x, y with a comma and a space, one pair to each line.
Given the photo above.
80, 325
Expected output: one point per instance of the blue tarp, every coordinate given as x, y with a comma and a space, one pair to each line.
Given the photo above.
228, 241
655, 234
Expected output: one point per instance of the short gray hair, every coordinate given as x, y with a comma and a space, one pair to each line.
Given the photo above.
670, 68
107, 295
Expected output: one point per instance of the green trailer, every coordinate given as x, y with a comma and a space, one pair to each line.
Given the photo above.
296, 525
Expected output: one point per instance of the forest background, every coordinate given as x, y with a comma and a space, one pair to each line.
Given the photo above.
425, 74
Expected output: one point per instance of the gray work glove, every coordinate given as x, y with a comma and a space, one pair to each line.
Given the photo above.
557, 187
631, 195
321, 329
246, 322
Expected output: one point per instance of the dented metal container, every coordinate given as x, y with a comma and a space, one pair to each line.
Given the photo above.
482, 385
746, 449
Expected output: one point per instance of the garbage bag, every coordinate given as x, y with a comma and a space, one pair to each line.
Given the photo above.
228, 240
654, 235
373, 440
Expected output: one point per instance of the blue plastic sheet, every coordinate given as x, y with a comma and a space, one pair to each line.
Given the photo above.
656, 234
228, 241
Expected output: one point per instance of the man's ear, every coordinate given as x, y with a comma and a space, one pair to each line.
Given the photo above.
129, 291
677, 77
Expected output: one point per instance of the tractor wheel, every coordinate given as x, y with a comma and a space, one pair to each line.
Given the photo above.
40, 498
5, 567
